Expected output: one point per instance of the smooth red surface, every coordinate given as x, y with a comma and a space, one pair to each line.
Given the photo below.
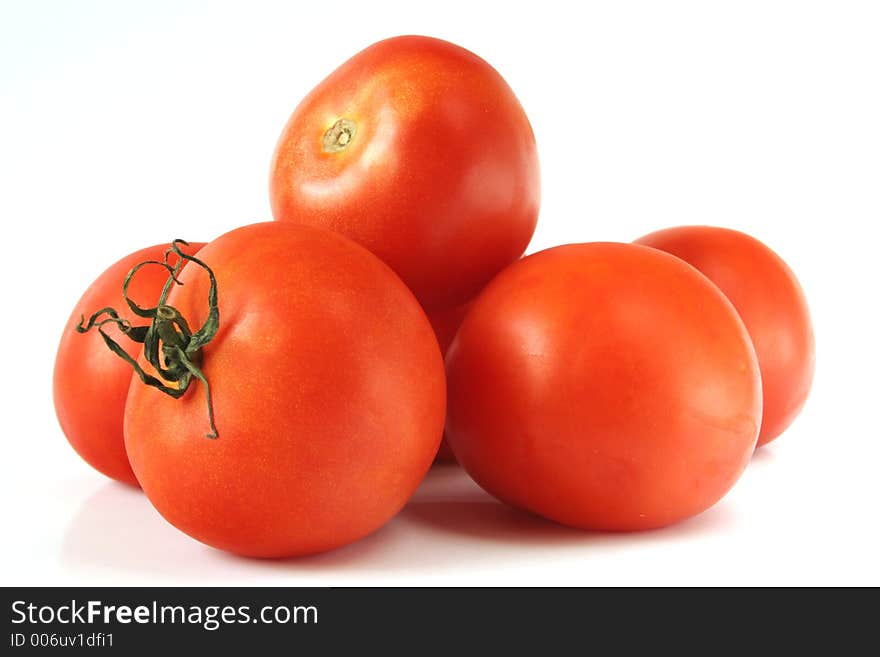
445, 324
441, 180
770, 302
329, 393
604, 386
90, 382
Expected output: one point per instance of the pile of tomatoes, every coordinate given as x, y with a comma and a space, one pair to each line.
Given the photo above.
282, 389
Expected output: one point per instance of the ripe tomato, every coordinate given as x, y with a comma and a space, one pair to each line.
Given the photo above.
770, 302
417, 149
445, 324
328, 393
604, 386
90, 383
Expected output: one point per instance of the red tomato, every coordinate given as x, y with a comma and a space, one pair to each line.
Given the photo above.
328, 392
90, 383
417, 149
770, 302
604, 386
445, 324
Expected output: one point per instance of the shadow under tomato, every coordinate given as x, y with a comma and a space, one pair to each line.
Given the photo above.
450, 522
490, 520
763, 455
117, 530
450, 502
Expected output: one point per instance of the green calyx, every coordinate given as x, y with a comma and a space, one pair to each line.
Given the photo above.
170, 346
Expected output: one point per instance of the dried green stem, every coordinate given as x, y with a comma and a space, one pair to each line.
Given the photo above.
170, 346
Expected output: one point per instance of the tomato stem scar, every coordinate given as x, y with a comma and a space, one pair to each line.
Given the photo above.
339, 136
168, 338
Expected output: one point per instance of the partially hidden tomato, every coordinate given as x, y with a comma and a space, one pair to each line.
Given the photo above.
419, 150
771, 303
445, 324
328, 392
604, 386
90, 383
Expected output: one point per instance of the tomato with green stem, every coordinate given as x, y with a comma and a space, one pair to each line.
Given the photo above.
324, 388
90, 384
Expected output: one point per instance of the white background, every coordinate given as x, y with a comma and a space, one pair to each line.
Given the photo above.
128, 124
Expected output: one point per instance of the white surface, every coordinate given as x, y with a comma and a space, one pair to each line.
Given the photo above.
122, 127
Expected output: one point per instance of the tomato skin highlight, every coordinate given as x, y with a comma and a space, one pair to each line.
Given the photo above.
329, 396
440, 178
603, 386
771, 303
90, 383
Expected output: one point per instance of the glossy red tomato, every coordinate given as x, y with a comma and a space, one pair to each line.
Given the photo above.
604, 386
770, 302
328, 392
419, 150
90, 383
445, 324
